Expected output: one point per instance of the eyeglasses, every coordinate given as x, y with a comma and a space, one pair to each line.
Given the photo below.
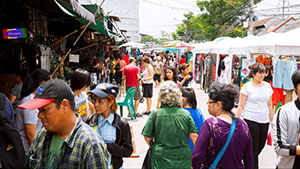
211, 102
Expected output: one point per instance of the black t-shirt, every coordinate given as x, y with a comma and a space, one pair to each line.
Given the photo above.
185, 84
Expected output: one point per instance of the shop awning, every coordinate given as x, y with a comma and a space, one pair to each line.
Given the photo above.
84, 14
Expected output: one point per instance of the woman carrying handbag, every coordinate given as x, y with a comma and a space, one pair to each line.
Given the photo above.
172, 125
224, 141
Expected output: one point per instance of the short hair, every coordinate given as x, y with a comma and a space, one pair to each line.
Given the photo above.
227, 94
170, 94
80, 78
296, 79
256, 67
190, 95
146, 59
57, 102
183, 66
131, 59
175, 78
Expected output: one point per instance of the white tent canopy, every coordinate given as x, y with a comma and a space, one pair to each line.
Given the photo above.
132, 44
272, 43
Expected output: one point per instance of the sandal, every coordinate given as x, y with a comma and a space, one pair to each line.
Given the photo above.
147, 113
139, 115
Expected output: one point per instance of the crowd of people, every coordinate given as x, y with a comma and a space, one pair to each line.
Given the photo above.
76, 125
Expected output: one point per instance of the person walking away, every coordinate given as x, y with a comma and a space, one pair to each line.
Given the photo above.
255, 104
119, 73
80, 81
286, 130
112, 128
147, 82
157, 65
173, 125
27, 122
132, 74
215, 130
184, 78
15, 94
182, 60
189, 103
65, 141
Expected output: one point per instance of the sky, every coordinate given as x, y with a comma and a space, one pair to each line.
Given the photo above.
163, 15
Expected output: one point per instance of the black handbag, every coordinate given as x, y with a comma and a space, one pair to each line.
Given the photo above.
147, 160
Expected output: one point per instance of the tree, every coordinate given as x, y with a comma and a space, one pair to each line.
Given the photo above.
190, 29
217, 18
148, 39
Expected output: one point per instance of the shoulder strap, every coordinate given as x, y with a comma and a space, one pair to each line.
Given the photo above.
218, 158
153, 128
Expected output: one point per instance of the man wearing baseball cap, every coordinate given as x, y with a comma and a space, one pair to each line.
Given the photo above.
65, 141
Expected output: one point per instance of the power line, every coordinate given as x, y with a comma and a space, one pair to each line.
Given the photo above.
268, 9
180, 2
172, 7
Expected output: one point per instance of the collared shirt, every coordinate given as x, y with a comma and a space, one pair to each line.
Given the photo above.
107, 131
83, 148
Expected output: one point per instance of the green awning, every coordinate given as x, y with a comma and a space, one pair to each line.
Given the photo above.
100, 25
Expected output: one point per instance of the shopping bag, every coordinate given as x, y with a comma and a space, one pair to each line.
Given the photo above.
269, 139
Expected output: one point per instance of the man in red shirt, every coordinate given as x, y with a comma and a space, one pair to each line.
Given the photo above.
182, 60
132, 74
126, 58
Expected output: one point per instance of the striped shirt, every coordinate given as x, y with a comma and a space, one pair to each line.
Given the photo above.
83, 148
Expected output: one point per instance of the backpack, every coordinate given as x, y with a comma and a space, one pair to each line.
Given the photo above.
12, 154
118, 67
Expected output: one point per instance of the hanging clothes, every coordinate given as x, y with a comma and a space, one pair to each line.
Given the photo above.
246, 63
207, 73
46, 56
225, 74
283, 71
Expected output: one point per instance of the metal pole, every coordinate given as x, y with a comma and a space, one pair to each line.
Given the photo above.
251, 16
283, 7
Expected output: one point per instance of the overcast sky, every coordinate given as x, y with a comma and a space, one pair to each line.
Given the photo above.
164, 15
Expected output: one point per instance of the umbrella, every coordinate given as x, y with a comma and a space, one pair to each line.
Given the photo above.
132, 44
178, 44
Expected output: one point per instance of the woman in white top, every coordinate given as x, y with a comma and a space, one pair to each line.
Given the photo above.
80, 81
256, 106
147, 82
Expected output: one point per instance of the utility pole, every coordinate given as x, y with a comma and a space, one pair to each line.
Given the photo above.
251, 16
283, 6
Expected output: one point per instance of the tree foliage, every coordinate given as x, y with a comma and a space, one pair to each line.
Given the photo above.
217, 18
148, 39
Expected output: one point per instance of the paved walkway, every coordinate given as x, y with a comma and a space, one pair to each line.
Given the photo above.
267, 157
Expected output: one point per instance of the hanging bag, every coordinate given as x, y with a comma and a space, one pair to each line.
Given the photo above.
147, 160
218, 158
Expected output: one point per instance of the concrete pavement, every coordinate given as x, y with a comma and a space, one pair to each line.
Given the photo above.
266, 158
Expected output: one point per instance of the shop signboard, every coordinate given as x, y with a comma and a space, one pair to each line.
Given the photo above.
14, 33
74, 58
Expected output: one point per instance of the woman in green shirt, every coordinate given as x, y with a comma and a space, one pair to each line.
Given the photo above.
173, 125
